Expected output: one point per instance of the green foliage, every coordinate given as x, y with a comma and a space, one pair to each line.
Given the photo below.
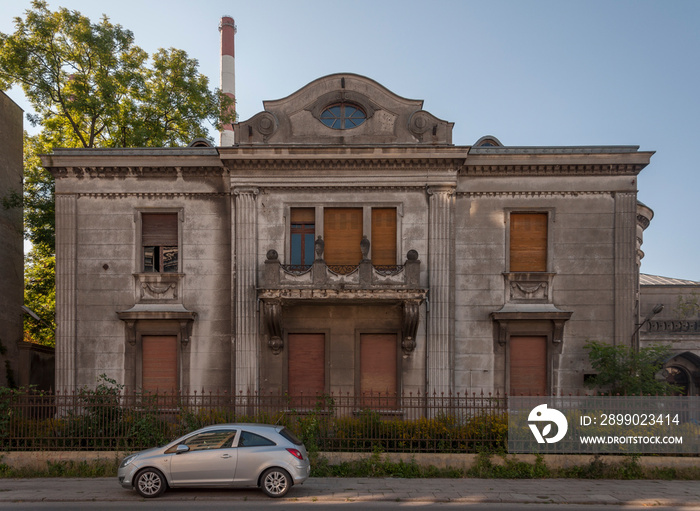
599, 468
91, 86
377, 465
442, 433
103, 468
40, 295
626, 371
509, 468
312, 426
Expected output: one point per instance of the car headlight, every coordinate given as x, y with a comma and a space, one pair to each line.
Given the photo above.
128, 460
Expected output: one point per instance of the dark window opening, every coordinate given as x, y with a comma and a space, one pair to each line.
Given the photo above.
159, 237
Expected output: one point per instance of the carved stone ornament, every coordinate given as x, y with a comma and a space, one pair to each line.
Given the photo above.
528, 290
319, 247
420, 122
364, 247
273, 318
266, 123
411, 315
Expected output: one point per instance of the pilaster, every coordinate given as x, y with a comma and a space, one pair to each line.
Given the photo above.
440, 342
246, 345
625, 266
66, 275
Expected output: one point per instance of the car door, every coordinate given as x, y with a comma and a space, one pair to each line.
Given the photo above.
255, 453
210, 461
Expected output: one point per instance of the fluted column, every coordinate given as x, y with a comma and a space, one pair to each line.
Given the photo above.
66, 266
246, 345
440, 342
625, 266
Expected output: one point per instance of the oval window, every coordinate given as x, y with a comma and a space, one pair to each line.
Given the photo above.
343, 116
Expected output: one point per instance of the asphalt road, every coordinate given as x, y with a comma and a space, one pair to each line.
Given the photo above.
368, 493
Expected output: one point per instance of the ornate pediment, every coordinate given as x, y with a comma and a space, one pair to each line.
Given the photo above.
344, 109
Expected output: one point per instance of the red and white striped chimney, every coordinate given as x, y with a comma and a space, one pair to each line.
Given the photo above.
228, 71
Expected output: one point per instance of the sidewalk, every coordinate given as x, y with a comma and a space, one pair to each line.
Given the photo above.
569, 491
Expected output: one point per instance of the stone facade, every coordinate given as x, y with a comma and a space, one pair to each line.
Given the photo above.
677, 326
456, 304
11, 247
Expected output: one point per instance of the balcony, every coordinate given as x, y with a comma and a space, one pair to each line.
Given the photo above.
283, 285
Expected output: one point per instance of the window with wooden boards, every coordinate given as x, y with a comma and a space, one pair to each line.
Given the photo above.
383, 242
528, 366
306, 367
159, 363
378, 370
342, 229
159, 239
528, 242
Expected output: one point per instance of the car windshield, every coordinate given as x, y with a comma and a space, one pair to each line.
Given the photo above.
291, 437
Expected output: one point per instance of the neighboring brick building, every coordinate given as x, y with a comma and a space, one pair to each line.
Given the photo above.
344, 244
11, 241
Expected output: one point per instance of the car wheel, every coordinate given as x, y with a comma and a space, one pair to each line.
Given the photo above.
275, 482
150, 483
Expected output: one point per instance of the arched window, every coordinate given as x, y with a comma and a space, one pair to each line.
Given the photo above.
343, 116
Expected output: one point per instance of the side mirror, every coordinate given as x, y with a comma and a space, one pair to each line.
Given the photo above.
182, 448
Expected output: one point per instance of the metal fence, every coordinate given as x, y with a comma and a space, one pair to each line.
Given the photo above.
108, 419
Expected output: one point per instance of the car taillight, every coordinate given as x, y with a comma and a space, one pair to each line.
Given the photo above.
297, 454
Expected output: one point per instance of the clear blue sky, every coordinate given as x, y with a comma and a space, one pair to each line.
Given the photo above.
529, 72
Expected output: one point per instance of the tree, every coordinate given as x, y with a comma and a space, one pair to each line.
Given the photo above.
40, 295
626, 371
91, 86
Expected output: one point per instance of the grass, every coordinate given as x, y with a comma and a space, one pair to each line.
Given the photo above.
377, 465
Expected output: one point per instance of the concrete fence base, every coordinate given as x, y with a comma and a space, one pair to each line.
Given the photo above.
38, 460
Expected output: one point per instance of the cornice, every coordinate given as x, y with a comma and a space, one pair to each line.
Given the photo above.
355, 164
340, 188
630, 169
146, 195
138, 171
530, 194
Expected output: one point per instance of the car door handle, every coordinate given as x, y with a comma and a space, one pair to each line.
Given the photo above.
225, 455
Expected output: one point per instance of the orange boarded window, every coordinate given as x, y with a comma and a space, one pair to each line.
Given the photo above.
342, 229
378, 384
383, 236
159, 354
306, 365
528, 366
528, 242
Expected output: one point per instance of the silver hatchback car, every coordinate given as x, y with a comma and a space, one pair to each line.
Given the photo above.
225, 455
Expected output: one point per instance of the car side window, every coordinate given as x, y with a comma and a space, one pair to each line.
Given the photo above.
217, 439
249, 439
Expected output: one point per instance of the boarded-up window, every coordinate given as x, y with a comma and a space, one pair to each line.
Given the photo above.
378, 386
302, 231
342, 228
528, 242
383, 236
159, 239
306, 367
528, 366
159, 355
